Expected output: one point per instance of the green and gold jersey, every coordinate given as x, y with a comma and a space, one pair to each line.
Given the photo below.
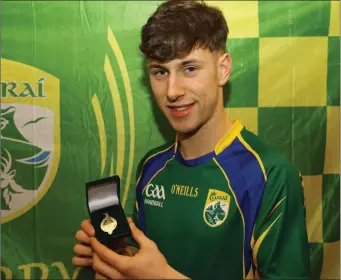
237, 212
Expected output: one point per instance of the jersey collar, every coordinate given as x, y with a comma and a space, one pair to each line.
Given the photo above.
224, 142
228, 138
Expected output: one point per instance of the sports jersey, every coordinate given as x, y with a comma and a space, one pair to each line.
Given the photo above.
236, 212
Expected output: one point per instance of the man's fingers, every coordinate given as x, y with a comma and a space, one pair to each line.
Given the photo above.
83, 262
88, 228
104, 269
83, 250
82, 237
110, 257
99, 276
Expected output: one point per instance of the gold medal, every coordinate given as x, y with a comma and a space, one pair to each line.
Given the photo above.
108, 224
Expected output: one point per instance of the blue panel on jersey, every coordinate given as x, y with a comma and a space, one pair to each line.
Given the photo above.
247, 182
193, 162
152, 165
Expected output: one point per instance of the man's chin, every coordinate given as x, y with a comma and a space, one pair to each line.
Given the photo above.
185, 129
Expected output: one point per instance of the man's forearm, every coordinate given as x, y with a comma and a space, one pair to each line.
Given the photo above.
174, 274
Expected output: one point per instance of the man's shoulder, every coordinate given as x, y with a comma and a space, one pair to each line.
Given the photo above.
158, 152
271, 158
156, 155
283, 178
278, 168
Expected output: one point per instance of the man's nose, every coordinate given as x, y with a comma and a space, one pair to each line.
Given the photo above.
175, 88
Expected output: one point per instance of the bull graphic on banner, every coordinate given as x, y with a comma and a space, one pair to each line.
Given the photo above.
30, 145
19, 190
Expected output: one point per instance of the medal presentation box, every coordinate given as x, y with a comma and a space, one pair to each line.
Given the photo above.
106, 212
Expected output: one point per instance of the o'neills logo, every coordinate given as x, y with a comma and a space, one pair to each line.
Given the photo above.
216, 207
30, 136
155, 195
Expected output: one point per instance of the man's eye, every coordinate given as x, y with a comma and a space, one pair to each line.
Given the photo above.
160, 73
190, 69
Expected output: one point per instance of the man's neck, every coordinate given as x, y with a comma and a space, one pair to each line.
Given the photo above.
205, 139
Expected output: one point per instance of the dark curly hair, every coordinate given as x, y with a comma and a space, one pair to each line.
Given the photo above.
179, 26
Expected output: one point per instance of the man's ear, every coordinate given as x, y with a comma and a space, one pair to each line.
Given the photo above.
224, 64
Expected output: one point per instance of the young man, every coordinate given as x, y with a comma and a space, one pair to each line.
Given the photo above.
217, 203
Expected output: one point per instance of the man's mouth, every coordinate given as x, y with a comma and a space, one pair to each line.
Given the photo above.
181, 110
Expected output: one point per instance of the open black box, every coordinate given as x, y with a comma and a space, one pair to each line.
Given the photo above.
103, 197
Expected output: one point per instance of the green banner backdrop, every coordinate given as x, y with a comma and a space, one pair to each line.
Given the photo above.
76, 106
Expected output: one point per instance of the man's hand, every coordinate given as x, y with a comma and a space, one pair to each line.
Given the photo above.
83, 249
148, 263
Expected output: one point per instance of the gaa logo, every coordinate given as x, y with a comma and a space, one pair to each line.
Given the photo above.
155, 191
29, 134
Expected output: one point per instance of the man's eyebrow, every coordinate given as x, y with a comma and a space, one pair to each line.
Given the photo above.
155, 65
191, 61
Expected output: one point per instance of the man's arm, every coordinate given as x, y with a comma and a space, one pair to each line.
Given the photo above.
280, 241
149, 263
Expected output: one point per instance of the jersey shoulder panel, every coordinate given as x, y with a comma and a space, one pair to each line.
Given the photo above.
283, 180
152, 154
153, 161
269, 157
150, 165
282, 177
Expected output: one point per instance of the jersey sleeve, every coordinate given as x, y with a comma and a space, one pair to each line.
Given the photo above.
280, 241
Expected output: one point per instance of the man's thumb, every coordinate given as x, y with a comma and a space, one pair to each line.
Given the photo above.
137, 234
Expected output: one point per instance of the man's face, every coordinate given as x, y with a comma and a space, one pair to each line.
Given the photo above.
187, 89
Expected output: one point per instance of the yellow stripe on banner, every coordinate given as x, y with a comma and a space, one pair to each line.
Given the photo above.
247, 116
112, 166
240, 210
334, 25
242, 17
314, 207
7, 272
118, 115
331, 261
101, 130
119, 56
76, 273
260, 240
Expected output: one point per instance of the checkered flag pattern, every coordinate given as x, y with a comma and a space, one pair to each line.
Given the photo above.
285, 87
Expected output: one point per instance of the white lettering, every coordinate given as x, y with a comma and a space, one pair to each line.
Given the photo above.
155, 191
153, 202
